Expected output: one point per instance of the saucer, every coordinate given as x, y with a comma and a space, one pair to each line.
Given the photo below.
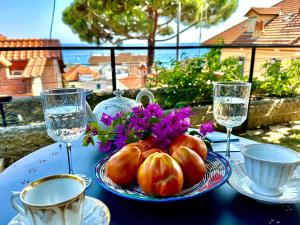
242, 183
95, 213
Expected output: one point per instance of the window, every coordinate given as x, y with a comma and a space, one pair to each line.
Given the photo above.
242, 63
251, 25
98, 86
288, 17
17, 72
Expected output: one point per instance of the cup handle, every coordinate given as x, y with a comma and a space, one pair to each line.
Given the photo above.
14, 195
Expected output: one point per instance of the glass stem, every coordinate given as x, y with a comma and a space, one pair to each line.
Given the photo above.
227, 154
69, 148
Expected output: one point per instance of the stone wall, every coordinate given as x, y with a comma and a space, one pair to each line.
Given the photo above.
17, 141
22, 111
273, 111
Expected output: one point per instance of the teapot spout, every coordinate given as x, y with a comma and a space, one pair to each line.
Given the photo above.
91, 117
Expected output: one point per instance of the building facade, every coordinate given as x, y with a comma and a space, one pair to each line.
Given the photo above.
276, 25
27, 72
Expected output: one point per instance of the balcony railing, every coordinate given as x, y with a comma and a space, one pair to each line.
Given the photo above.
113, 50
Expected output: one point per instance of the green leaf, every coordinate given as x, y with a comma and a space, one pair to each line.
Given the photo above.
193, 133
103, 132
85, 142
103, 139
153, 120
181, 104
208, 145
92, 141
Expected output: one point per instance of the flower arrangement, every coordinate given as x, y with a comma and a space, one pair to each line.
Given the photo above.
125, 128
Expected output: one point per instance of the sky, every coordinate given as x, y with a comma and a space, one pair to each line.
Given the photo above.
32, 19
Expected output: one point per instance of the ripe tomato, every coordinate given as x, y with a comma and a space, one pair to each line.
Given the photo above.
160, 175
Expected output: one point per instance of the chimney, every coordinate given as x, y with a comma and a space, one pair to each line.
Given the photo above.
2, 37
259, 27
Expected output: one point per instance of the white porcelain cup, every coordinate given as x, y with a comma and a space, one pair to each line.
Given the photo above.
269, 167
53, 200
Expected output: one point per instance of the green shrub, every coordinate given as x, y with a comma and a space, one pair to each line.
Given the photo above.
190, 82
281, 80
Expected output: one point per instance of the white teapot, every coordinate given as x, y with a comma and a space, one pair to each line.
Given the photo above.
116, 105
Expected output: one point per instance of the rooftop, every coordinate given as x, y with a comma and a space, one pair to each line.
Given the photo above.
36, 59
282, 28
265, 11
73, 73
28, 54
132, 82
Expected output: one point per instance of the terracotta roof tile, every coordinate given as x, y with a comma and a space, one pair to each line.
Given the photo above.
230, 35
289, 6
132, 82
73, 73
2, 37
35, 67
4, 62
265, 11
28, 54
283, 29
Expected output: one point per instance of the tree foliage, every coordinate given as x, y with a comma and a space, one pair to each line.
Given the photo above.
190, 82
114, 21
280, 78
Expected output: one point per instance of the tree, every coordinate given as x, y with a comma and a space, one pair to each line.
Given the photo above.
114, 21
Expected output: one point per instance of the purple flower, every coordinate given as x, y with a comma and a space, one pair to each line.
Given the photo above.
184, 125
159, 128
106, 119
94, 131
171, 126
185, 112
118, 115
106, 147
154, 110
139, 124
120, 141
206, 128
121, 136
138, 111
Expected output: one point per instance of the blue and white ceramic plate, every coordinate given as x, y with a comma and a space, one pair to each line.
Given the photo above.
218, 171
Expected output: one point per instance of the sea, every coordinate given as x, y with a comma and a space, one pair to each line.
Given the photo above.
164, 56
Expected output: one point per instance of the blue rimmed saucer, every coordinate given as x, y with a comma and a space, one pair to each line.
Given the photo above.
218, 171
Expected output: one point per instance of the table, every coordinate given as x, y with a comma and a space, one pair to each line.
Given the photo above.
221, 206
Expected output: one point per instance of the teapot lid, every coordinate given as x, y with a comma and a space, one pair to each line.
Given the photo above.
115, 105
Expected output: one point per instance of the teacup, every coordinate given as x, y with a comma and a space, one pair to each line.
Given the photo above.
53, 200
269, 167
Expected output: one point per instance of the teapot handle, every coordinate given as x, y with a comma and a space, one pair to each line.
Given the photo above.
145, 92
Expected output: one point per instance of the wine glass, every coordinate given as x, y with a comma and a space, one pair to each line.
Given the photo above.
65, 117
230, 107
